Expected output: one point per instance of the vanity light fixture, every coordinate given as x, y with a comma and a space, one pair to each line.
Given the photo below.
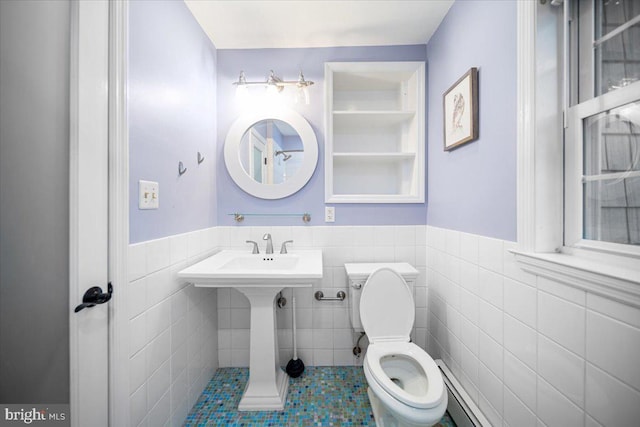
275, 84
242, 91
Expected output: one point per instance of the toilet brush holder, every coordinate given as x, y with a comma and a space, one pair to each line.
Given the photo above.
295, 367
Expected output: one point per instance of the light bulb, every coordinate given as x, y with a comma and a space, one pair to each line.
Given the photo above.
272, 90
302, 95
305, 92
242, 93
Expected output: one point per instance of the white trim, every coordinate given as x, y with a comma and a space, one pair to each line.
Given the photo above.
118, 213
526, 43
328, 132
74, 285
601, 278
573, 223
539, 129
602, 248
88, 186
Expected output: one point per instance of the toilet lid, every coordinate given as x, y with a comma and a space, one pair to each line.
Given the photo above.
387, 311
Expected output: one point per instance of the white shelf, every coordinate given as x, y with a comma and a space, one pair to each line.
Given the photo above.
379, 157
374, 132
382, 118
401, 114
374, 198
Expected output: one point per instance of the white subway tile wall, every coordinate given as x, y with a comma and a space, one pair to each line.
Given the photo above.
325, 336
173, 329
528, 350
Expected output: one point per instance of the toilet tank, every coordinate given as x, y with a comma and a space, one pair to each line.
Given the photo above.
357, 275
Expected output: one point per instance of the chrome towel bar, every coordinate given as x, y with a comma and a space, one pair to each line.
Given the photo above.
239, 217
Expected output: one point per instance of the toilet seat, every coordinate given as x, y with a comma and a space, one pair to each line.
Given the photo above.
405, 350
387, 312
386, 307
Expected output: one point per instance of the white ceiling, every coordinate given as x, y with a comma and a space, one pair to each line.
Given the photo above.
240, 24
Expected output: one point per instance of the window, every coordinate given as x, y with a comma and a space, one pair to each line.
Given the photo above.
611, 178
587, 161
617, 44
602, 143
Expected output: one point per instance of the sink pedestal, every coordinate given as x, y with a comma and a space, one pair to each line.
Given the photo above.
268, 383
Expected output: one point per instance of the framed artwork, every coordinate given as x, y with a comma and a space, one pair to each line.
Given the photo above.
460, 104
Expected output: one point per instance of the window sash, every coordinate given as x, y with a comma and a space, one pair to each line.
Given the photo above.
574, 173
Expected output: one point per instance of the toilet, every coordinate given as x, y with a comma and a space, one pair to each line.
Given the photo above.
406, 388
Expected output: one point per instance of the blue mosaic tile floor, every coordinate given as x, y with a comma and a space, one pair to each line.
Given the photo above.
322, 396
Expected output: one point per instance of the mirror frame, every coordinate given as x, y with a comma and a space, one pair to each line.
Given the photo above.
270, 191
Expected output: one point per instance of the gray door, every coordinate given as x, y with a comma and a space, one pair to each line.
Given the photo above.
34, 201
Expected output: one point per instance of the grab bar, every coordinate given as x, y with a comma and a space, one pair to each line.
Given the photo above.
340, 296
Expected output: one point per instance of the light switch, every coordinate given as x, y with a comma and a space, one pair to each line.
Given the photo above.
148, 195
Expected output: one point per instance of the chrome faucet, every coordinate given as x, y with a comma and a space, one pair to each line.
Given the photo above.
269, 249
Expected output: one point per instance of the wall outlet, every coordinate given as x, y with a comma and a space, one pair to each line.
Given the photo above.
148, 195
329, 214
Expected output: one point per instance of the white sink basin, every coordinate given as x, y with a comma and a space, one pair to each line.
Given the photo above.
235, 268
259, 277
251, 262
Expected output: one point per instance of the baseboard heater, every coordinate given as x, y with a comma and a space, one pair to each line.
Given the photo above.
463, 411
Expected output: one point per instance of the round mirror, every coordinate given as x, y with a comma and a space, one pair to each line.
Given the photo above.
271, 155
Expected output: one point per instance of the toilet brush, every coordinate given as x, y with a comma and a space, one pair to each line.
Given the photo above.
295, 367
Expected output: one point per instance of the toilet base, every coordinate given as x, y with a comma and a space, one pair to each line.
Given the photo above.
377, 411
385, 418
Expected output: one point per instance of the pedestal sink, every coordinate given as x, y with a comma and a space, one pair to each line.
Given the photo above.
259, 277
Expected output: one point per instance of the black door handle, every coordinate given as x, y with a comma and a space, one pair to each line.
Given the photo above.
95, 296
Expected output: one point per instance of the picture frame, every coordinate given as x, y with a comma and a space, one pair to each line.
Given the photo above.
460, 111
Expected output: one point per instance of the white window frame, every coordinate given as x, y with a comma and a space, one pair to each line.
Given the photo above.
574, 193
580, 91
604, 269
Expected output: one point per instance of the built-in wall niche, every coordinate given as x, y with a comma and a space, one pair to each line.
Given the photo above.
374, 134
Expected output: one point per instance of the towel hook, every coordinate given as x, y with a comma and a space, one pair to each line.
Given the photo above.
181, 169
200, 158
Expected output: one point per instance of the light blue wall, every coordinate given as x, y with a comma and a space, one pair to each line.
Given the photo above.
181, 100
473, 188
172, 116
287, 63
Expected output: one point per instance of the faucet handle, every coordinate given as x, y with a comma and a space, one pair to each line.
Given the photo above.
255, 247
283, 249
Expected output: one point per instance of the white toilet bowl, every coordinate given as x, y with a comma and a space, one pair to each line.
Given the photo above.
406, 388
